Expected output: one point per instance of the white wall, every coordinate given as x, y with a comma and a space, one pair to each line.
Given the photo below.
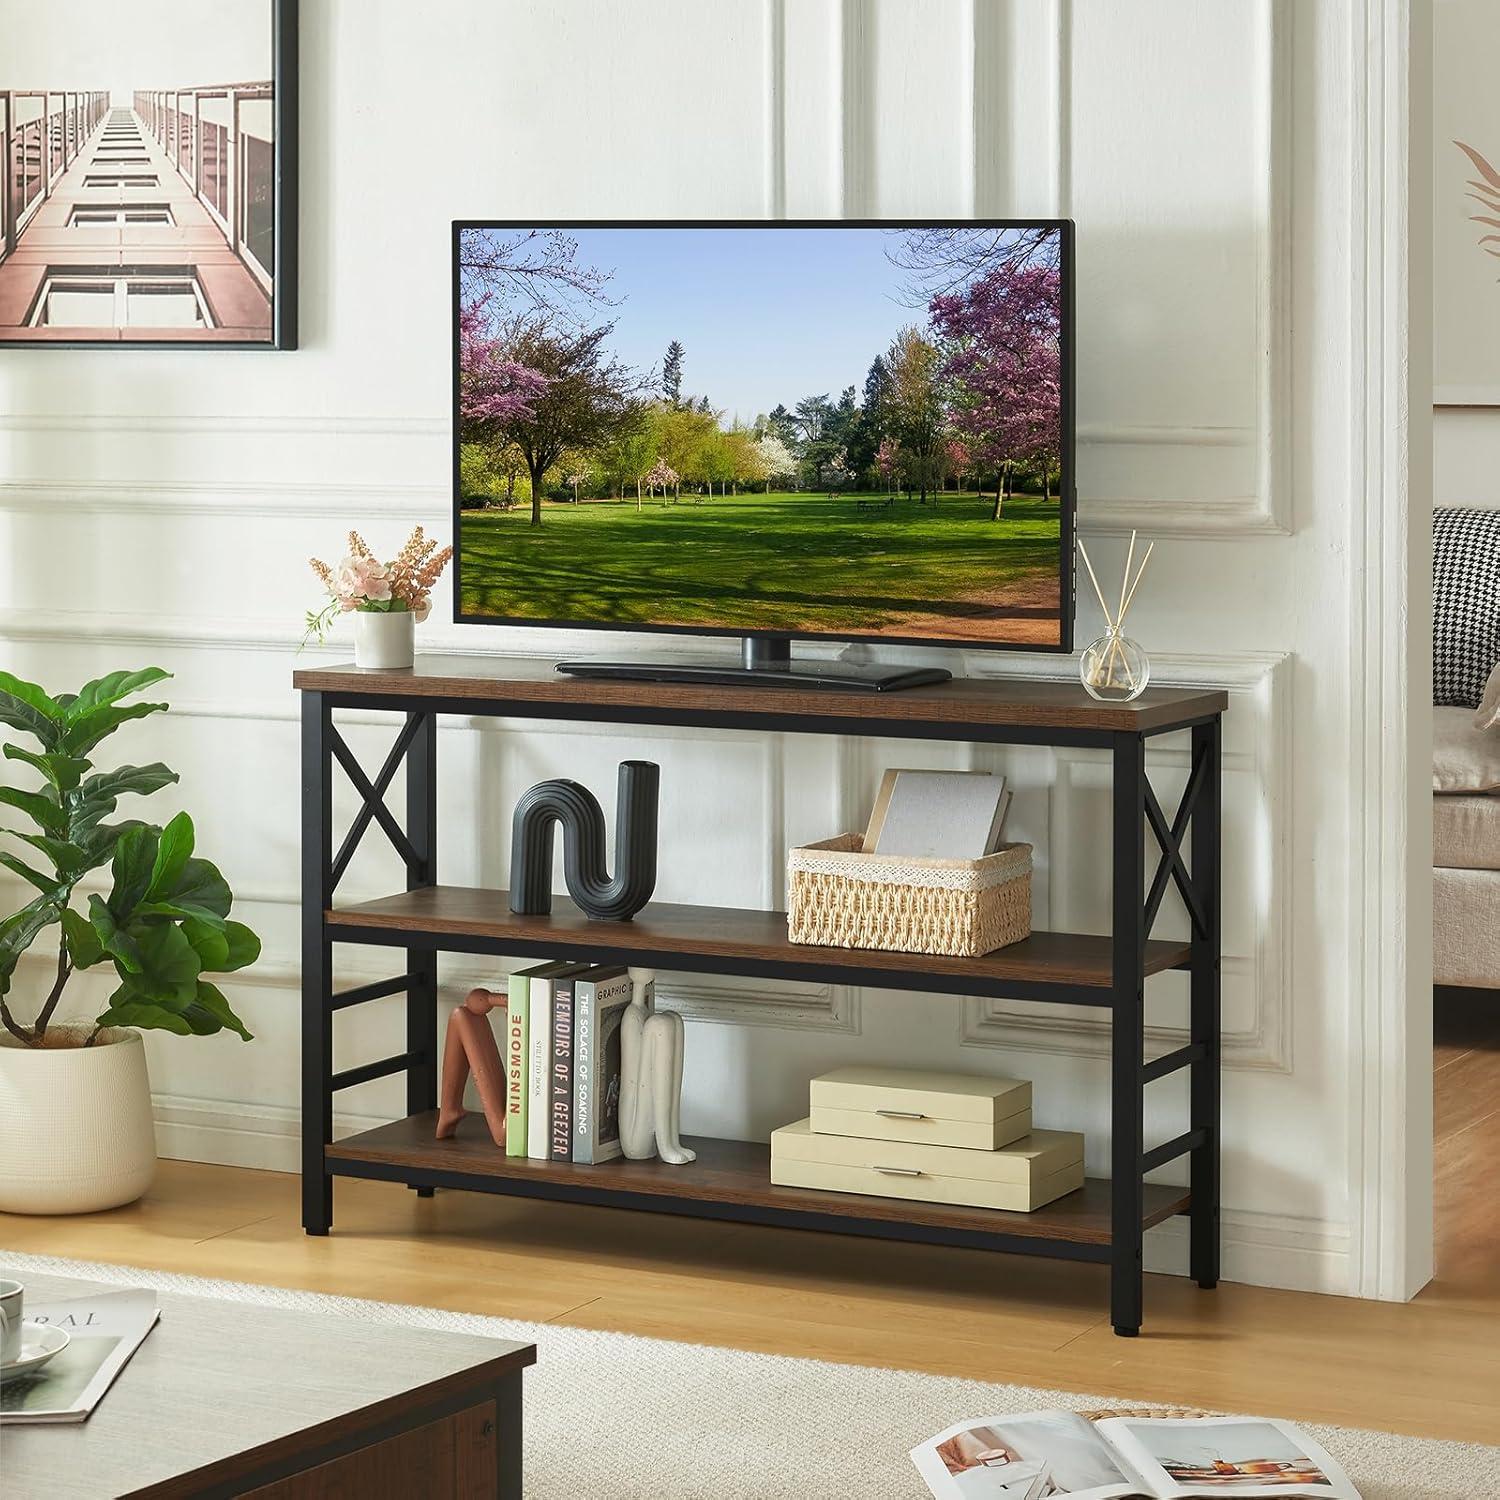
158, 507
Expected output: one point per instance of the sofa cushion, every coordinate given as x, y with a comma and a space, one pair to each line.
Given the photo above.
1464, 757
1466, 832
1465, 934
1487, 715
1465, 603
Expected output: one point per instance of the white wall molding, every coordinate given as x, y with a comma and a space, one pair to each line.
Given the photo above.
1389, 369
281, 499
1260, 679
1263, 1249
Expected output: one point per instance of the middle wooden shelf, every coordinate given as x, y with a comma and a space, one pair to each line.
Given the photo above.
1061, 967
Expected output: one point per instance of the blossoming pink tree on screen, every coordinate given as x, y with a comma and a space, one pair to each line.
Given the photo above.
1004, 359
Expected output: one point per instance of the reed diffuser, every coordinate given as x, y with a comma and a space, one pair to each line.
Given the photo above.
1115, 668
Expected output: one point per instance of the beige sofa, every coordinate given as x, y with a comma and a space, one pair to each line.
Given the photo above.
1466, 848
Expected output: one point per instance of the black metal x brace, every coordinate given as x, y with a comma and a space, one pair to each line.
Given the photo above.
373, 796
1172, 866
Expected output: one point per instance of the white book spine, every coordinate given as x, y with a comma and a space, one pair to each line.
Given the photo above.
538, 1096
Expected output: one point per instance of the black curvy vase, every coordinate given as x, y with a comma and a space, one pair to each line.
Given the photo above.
589, 883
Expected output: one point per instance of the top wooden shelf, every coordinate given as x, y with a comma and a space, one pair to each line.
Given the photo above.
996, 706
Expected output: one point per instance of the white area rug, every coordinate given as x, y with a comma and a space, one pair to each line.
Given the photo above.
613, 1417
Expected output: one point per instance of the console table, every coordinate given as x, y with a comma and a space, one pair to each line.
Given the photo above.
1104, 1221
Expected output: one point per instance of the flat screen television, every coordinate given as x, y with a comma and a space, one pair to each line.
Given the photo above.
834, 430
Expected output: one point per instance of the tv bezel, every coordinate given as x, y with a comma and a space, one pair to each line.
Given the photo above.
1067, 487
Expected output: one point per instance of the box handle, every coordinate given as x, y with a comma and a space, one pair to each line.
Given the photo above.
900, 1171
900, 1114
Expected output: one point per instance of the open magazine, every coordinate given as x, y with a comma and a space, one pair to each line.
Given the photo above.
103, 1332
1039, 1454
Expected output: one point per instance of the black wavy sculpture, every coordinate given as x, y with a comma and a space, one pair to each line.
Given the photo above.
589, 882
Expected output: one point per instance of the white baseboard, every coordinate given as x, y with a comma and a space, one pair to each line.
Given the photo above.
1274, 1250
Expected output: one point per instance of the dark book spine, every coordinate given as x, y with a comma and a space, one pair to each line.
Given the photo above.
560, 1113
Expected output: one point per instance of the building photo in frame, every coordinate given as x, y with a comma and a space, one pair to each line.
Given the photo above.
148, 192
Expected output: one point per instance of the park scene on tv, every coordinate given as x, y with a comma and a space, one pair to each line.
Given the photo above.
850, 431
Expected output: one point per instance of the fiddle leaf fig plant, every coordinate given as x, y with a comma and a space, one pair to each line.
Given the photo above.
163, 923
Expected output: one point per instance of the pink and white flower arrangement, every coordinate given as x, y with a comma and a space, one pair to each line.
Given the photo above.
360, 581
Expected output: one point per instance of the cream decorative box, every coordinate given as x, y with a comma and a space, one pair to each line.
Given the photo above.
1025, 1175
929, 1108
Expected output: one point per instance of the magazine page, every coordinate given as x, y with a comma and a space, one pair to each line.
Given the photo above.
1250, 1456
1027, 1457
103, 1332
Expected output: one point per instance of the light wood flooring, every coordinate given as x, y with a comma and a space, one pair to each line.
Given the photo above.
1430, 1367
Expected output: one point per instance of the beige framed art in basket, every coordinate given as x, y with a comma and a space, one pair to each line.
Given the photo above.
838, 896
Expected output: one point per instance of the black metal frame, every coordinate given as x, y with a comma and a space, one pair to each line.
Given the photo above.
1189, 858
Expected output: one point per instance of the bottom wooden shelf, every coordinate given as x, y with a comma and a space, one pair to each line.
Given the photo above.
730, 1180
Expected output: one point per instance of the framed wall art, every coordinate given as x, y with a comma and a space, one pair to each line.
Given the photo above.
1466, 204
149, 186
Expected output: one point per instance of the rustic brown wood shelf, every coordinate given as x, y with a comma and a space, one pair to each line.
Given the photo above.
733, 1174
1103, 1221
1056, 966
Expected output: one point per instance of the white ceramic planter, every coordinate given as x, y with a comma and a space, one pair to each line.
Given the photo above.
384, 640
76, 1125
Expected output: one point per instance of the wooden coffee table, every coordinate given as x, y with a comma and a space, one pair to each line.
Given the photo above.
229, 1398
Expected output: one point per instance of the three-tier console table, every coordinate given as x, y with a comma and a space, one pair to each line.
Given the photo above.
1104, 1221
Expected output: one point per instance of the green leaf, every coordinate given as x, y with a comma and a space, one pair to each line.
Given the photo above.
48, 883
173, 850
105, 690
84, 947
211, 999
113, 938
244, 948
42, 810
210, 943
170, 966
134, 860
96, 797
201, 885
63, 771
24, 706
81, 735
126, 1009
19, 930
70, 859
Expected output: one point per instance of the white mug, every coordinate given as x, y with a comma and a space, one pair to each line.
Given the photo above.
11, 1295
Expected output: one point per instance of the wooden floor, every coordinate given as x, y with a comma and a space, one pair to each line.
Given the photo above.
1430, 1367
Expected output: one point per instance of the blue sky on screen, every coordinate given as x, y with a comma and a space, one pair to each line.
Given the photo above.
765, 315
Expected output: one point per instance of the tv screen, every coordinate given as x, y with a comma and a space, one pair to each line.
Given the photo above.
853, 430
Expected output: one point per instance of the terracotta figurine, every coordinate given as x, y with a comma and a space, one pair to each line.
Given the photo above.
470, 1046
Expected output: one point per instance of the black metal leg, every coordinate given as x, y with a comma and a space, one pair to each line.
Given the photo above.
421, 965
317, 964
1203, 1223
1127, 1124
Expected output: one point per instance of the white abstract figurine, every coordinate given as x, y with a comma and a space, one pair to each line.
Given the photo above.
651, 1044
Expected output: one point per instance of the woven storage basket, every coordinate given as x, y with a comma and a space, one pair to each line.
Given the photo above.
840, 897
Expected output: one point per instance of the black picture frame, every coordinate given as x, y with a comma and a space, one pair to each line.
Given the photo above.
285, 105
1068, 518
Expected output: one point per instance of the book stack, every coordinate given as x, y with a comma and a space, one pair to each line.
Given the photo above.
562, 1061
934, 1137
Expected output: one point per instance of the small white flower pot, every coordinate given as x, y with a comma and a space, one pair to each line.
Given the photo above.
76, 1123
384, 640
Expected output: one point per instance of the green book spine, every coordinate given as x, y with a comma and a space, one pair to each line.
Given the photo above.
517, 1024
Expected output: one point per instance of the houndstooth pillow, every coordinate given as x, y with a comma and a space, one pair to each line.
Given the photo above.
1465, 603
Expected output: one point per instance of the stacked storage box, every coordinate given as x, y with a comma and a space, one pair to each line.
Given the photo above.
933, 1137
